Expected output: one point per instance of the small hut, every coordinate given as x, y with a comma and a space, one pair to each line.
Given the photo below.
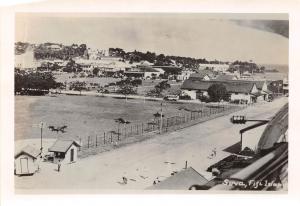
65, 151
27, 161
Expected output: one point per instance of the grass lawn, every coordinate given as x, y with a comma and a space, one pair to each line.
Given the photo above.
84, 115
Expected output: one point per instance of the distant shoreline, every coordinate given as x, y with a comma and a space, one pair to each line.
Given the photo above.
281, 68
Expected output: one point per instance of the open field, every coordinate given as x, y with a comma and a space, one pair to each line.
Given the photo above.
144, 162
84, 115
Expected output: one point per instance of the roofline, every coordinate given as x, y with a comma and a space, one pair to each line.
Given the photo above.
23, 152
220, 81
74, 142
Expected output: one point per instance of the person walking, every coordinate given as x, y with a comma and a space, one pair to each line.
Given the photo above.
214, 152
58, 166
124, 180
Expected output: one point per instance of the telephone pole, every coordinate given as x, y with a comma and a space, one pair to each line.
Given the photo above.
41, 126
161, 118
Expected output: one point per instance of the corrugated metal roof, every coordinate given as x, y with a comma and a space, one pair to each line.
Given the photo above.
277, 127
231, 86
181, 181
259, 84
226, 77
202, 73
62, 145
29, 150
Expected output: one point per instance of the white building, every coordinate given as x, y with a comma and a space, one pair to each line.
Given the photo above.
27, 161
238, 91
54, 47
185, 74
64, 151
214, 67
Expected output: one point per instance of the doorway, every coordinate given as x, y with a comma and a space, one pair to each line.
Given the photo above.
24, 165
72, 155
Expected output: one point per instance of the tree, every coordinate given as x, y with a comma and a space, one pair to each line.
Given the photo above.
163, 85
19, 82
136, 82
96, 71
28, 82
78, 86
154, 93
72, 67
217, 92
126, 89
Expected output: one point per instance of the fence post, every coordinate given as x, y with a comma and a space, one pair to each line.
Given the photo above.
111, 137
142, 128
96, 141
104, 138
88, 141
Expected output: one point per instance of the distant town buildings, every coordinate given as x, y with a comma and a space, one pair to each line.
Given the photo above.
214, 67
245, 81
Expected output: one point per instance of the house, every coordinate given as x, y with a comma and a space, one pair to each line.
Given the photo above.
203, 75
264, 92
276, 87
54, 47
225, 77
185, 74
27, 161
238, 91
145, 72
182, 180
65, 151
262, 87
214, 67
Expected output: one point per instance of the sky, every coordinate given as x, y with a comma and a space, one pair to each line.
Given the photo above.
190, 35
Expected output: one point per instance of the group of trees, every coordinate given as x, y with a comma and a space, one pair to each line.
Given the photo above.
160, 59
217, 92
25, 83
158, 89
20, 47
128, 86
72, 67
242, 67
77, 86
43, 51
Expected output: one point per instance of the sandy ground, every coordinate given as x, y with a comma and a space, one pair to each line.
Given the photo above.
143, 162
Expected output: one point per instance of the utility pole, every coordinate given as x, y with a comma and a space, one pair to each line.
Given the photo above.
161, 118
118, 130
41, 126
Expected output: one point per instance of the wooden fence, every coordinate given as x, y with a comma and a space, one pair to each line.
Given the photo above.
135, 132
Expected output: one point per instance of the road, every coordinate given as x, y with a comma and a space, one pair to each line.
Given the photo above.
143, 162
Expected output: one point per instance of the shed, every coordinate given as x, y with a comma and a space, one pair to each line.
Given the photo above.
64, 151
27, 161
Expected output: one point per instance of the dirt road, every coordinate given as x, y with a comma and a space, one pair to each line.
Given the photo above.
146, 161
